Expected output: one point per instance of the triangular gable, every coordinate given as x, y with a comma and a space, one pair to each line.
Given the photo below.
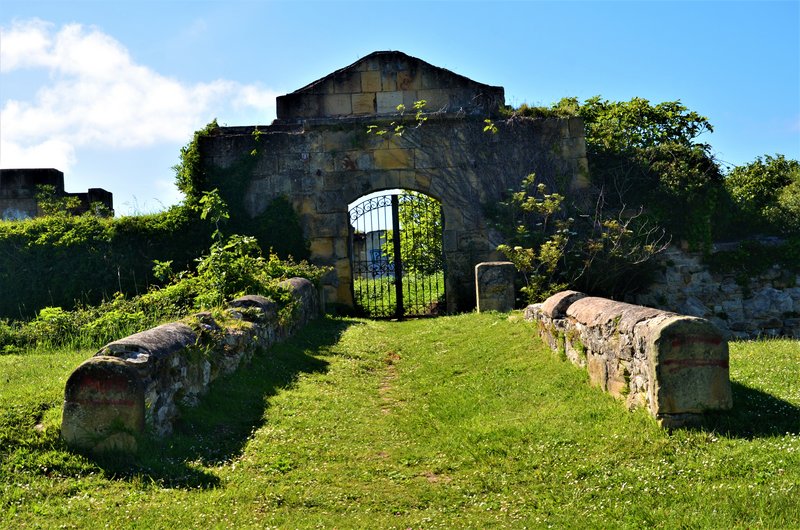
376, 84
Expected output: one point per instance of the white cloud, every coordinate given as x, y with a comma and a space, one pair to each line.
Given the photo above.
99, 97
49, 153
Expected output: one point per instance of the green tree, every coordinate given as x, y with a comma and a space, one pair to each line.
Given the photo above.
420, 233
644, 154
766, 192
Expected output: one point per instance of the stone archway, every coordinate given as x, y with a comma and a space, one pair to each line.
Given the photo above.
319, 155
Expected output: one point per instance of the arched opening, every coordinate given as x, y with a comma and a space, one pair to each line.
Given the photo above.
396, 254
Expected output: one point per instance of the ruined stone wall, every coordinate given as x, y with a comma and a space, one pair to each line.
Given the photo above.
136, 384
767, 305
321, 167
674, 366
18, 188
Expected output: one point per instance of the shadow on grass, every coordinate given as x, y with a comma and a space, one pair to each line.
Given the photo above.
217, 429
755, 414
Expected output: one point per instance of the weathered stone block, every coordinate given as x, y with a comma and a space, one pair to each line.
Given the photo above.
321, 247
387, 102
675, 365
494, 286
371, 81
103, 406
436, 99
364, 103
689, 362
337, 105
347, 82
577, 128
407, 80
394, 159
336, 140
388, 81
556, 306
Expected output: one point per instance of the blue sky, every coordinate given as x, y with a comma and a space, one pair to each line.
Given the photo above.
108, 92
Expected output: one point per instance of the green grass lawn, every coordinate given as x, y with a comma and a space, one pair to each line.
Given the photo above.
422, 294
455, 422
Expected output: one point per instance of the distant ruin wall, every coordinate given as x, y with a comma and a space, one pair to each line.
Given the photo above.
674, 366
18, 189
136, 384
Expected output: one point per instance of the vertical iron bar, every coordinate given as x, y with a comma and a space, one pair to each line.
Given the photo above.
398, 270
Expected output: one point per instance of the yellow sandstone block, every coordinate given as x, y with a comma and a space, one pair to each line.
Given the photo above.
371, 81
394, 158
364, 103
338, 105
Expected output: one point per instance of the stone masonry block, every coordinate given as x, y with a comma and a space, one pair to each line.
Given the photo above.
388, 81
436, 99
689, 361
409, 98
339, 140
407, 80
576, 128
388, 102
337, 105
580, 177
347, 82
364, 103
556, 306
573, 147
322, 248
103, 406
371, 81
322, 162
394, 159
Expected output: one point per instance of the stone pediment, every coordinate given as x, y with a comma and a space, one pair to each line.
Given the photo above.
376, 84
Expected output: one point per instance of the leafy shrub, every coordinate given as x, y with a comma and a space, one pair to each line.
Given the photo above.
766, 192
231, 268
596, 253
65, 261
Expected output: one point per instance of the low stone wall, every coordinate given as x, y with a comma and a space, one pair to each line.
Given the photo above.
676, 366
136, 384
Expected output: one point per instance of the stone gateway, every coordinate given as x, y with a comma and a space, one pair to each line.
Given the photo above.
319, 155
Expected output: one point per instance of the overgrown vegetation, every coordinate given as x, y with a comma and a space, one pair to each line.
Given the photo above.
232, 267
457, 422
64, 261
70, 262
653, 181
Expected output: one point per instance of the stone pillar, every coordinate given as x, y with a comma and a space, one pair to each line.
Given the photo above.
103, 406
494, 286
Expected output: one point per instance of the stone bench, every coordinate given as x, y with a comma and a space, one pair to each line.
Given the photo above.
675, 366
136, 384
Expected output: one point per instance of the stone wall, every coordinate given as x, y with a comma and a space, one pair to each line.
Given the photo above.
675, 366
380, 82
18, 188
323, 159
767, 305
137, 384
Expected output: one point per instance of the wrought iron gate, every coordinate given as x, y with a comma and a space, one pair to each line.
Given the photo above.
396, 255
